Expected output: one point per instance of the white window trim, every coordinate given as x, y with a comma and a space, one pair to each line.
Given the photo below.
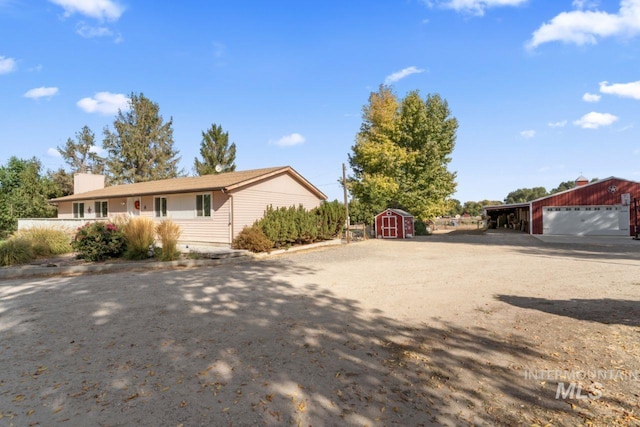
210, 206
73, 210
166, 203
100, 212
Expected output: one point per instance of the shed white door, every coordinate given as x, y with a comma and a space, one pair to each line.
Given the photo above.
389, 228
586, 220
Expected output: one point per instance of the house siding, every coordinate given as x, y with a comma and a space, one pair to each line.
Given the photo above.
181, 209
213, 229
65, 210
249, 203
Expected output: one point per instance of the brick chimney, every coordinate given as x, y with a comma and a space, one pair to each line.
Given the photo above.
83, 182
581, 180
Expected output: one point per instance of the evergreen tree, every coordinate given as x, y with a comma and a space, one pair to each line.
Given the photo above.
217, 155
401, 154
81, 155
140, 148
24, 193
62, 182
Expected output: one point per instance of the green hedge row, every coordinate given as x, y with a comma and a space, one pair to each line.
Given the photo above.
291, 226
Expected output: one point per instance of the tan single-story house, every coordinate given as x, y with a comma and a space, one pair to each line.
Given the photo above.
209, 209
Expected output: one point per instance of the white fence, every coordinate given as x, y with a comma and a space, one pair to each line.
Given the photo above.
65, 224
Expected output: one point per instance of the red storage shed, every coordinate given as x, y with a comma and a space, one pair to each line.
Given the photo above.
394, 224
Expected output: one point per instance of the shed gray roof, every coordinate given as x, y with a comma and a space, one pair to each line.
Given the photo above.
398, 211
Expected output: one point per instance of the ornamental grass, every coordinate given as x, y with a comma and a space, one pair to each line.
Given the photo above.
139, 236
168, 232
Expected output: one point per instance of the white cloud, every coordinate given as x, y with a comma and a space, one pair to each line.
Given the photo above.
7, 65
290, 140
626, 128
35, 69
41, 92
529, 133
584, 4
559, 124
594, 120
99, 9
52, 152
88, 31
97, 150
625, 90
477, 7
104, 103
398, 75
591, 97
586, 26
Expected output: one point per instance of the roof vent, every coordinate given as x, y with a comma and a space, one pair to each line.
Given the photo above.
581, 180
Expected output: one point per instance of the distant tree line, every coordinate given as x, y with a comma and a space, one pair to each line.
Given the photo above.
521, 195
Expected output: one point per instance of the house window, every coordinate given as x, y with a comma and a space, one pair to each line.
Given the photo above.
102, 209
203, 205
78, 210
160, 206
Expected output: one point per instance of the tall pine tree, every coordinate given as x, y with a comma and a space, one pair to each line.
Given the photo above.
80, 155
217, 155
140, 148
401, 154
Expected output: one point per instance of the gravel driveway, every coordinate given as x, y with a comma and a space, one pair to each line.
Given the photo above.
442, 330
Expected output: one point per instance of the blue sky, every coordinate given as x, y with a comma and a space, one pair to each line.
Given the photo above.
543, 90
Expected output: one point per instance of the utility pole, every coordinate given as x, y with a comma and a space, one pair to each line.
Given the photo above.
635, 209
346, 200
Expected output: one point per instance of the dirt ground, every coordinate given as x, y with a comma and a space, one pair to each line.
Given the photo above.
456, 329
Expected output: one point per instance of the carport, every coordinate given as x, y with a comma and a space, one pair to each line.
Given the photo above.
514, 216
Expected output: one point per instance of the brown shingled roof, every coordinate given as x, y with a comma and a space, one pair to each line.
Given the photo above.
224, 181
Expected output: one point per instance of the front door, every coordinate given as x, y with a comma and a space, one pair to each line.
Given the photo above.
389, 229
133, 206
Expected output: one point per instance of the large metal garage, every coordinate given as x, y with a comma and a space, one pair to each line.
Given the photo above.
600, 208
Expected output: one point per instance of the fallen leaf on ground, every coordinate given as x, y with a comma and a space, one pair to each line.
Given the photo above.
131, 397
